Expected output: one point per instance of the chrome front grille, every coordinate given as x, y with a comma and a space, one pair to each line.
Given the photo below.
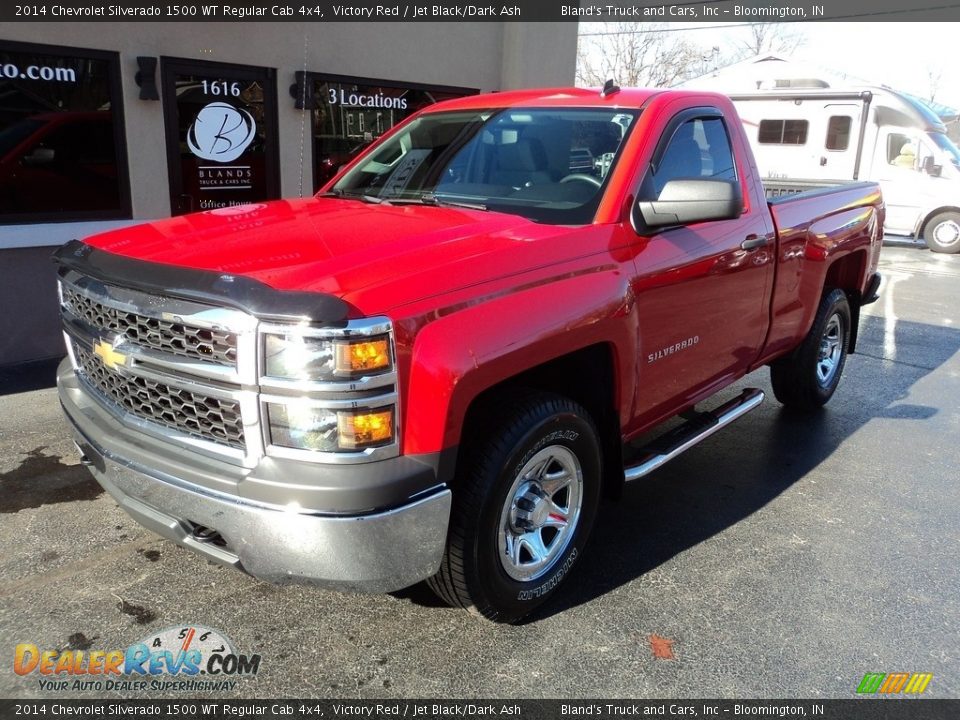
177, 369
189, 373
209, 418
166, 336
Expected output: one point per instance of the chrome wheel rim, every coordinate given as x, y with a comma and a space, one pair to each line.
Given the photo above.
946, 234
831, 350
541, 512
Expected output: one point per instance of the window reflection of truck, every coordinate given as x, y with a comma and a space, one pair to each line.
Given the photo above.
827, 136
57, 162
333, 152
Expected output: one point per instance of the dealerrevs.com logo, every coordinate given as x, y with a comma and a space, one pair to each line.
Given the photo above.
192, 658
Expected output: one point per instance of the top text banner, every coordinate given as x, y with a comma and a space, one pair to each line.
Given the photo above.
720, 11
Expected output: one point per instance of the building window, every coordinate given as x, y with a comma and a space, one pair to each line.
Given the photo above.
350, 113
838, 132
783, 132
61, 135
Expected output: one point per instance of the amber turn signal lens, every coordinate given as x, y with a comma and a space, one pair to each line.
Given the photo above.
362, 430
356, 357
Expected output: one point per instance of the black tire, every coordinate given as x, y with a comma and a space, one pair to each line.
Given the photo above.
799, 379
538, 428
942, 233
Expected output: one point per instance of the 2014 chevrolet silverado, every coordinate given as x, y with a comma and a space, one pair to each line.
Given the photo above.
430, 370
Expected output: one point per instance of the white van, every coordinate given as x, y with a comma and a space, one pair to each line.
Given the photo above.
827, 136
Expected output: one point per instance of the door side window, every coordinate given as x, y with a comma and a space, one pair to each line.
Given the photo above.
700, 148
902, 151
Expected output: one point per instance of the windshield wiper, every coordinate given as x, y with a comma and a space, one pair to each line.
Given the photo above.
372, 199
434, 201
425, 199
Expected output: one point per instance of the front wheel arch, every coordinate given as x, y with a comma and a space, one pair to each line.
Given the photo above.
588, 376
942, 217
494, 490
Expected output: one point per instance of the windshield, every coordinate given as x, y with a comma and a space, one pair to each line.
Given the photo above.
946, 147
549, 165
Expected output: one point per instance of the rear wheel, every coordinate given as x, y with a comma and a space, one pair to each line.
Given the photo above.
523, 507
807, 378
942, 233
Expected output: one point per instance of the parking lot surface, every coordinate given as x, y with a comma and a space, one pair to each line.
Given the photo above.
785, 556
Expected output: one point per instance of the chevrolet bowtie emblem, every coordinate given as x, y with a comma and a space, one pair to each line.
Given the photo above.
111, 358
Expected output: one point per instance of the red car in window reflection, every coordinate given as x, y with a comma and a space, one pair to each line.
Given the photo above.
59, 162
334, 153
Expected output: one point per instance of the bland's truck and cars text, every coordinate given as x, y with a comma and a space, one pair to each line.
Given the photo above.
434, 368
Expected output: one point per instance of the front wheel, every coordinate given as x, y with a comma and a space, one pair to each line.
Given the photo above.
523, 506
807, 378
942, 233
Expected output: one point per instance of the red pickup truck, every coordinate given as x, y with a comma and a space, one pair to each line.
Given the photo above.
431, 369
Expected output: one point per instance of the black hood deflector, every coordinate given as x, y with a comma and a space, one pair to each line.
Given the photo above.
206, 286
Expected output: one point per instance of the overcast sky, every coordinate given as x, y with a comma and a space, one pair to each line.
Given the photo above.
890, 53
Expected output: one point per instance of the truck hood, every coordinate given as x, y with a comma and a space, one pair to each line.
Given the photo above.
373, 256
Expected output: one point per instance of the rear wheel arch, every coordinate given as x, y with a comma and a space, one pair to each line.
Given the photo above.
847, 273
807, 378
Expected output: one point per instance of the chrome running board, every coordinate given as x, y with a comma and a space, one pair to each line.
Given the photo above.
700, 427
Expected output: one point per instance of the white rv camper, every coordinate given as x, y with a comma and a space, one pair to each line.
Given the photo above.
808, 132
867, 134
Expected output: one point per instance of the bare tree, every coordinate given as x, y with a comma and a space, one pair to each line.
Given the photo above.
934, 77
638, 55
771, 38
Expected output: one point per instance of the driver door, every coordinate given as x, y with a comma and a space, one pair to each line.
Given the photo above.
902, 180
703, 289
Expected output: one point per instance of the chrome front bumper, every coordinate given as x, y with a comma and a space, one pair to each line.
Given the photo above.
381, 551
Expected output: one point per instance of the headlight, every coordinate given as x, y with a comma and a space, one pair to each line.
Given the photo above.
306, 427
313, 398
299, 357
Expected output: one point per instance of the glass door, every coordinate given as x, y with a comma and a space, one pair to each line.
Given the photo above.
221, 127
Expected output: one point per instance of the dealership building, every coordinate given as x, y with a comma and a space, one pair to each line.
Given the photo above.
108, 124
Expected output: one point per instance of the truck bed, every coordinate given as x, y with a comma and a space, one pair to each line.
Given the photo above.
777, 189
793, 208
816, 229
